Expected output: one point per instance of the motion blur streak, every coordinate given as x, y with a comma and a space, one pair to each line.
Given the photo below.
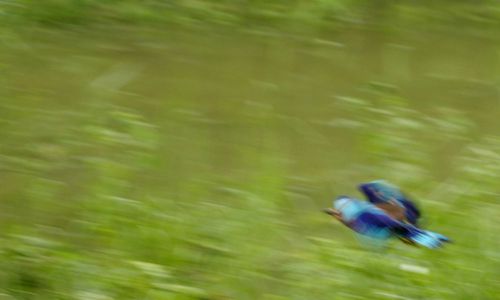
174, 149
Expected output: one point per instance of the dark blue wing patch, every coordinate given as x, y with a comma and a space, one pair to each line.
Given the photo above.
382, 192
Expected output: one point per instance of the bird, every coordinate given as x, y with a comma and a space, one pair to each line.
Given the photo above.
389, 198
367, 219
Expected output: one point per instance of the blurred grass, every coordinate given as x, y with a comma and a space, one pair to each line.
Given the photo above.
98, 208
187, 192
286, 15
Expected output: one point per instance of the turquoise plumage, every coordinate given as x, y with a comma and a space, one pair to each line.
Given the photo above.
369, 220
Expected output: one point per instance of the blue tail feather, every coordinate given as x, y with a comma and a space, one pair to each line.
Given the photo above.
427, 239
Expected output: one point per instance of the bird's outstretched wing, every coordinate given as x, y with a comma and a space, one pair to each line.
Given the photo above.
389, 198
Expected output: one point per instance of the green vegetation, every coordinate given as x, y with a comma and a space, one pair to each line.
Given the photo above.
280, 13
99, 204
191, 162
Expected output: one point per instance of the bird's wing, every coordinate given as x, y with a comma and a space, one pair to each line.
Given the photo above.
413, 234
395, 211
380, 191
389, 198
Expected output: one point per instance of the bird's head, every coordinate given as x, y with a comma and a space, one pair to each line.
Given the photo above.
338, 205
348, 208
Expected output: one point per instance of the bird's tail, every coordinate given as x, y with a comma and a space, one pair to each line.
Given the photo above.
426, 238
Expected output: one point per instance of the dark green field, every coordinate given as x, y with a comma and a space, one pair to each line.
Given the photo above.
184, 149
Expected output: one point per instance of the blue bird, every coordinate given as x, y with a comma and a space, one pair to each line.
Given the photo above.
390, 198
369, 220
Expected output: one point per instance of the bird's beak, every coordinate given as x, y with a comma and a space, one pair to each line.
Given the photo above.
333, 212
329, 211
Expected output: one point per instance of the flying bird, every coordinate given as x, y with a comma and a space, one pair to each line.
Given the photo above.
367, 219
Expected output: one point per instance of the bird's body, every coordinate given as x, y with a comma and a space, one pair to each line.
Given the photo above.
369, 220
